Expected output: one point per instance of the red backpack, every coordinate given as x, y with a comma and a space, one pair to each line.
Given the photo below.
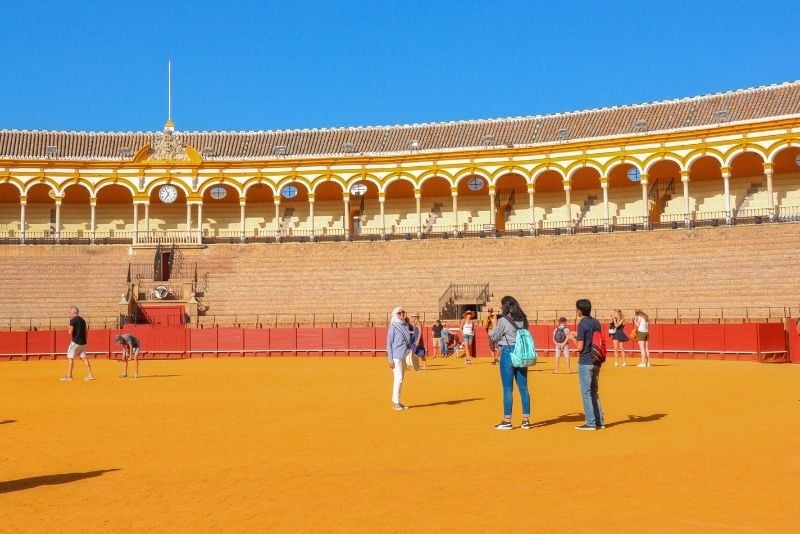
598, 347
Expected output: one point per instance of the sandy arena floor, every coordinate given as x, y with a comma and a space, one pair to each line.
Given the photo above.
312, 445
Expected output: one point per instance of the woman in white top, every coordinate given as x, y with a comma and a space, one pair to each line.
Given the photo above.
642, 322
468, 332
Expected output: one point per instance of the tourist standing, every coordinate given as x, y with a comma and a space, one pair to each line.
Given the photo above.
436, 329
616, 329
468, 332
504, 335
561, 342
77, 346
642, 322
489, 323
588, 369
398, 342
417, 340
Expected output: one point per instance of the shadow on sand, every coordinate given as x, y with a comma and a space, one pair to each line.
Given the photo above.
446, 403
7, 421
48, 480
638, 419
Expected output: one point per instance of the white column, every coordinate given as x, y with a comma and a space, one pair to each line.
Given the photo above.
92, 220
531, 198
277, 201
418, 198
22, 204
454, 194
242, 204
200, 221
135, 223
382, 203
58, 219
645, 203
492, 197
346, 221
568, 197
772, 214
606, 207
311, 214
147, 220
687, 221
726, 182
188, 218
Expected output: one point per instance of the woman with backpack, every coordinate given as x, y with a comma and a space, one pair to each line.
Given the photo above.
504, 335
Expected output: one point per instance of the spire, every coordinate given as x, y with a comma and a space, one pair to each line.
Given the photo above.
169, 126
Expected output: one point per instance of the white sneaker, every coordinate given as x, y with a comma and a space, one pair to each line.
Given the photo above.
66, 378
642, 365
615, 364
624, 364
88, 378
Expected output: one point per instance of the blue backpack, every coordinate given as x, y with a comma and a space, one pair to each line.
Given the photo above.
524, 353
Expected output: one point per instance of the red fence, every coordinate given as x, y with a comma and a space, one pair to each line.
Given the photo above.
751, 341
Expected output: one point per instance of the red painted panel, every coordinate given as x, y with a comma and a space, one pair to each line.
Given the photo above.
677, 337
362, 338
13, 342
43, 342
380, 338
163, 315
230, 339
708, 337
480, 342
283, 339
309, 338
772, 337
740, 337
542, 337
98, 341
335, 339
203, 339
256, 340
794, 340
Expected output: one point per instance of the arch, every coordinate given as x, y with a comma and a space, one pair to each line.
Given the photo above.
783, 160
398, 176
613, 163
738, 150
17, 184
108, 182
81, 192
664, 156
327, 178
294, 179
693, 156
41, 181
257, 181
152, 186
747, 163
222, 180
511, 169
472, 171
578, 165
783, 144
538, 171
365, 177
428, 175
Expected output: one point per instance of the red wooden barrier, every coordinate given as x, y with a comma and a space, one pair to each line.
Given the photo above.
755, 341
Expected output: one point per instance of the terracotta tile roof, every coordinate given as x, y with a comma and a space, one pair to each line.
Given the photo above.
671, 115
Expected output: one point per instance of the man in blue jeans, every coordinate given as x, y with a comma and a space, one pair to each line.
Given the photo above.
588, 370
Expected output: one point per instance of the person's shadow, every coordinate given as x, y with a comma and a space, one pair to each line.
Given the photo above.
638, 419
566, 418
48, 480
446, 403
7, 421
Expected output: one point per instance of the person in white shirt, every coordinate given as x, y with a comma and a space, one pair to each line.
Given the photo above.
561, 342
642, 322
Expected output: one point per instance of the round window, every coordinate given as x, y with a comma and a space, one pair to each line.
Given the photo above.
289, 191
476, 184
218, 193
633, 175
358, 189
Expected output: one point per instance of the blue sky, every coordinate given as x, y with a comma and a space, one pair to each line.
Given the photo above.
268, 65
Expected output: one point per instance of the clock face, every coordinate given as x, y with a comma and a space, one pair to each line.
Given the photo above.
168, 194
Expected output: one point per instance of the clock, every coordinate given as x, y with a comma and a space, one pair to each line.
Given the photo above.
168, 194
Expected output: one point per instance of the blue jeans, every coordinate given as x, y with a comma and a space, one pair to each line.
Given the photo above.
508, 374
589, 380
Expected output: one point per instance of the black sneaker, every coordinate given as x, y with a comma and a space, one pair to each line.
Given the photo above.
526, 425
503, 425
585, 427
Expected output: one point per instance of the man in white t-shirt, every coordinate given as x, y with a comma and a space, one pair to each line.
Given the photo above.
560, 340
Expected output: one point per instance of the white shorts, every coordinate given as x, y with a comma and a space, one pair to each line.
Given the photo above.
75, 349
133, 353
